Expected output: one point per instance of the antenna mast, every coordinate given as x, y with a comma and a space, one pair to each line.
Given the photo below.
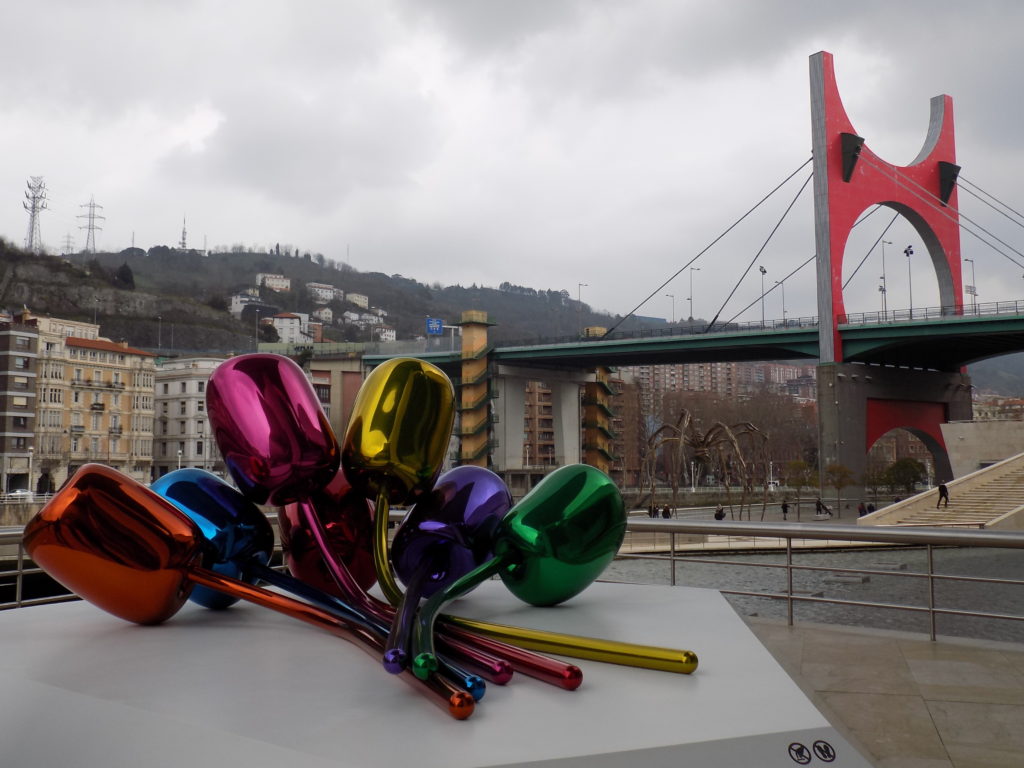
91, 226
184, 235
35, 204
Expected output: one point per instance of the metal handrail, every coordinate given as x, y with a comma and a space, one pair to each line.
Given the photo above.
788, 532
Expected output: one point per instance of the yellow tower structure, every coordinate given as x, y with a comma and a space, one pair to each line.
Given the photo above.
598, 436
475, 391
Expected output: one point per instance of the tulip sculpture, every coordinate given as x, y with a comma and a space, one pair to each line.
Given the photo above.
240, 543
140, 553
126, 549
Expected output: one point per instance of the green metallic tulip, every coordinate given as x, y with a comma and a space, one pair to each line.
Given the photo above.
550, 546
396, 440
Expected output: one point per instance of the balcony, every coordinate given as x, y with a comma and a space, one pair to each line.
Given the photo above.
77, 429
97, 407
115, 430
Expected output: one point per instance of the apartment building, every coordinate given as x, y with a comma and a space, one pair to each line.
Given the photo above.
182, 435
94, 403
19, 344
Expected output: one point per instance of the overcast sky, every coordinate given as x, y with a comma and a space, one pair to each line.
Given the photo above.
546, 143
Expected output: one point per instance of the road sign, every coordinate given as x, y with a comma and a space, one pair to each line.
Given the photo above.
435, 326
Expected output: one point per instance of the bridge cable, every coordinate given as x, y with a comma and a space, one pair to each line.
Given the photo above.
927, 198
760, 251
872, 248
810, 259
986, 202
706, 248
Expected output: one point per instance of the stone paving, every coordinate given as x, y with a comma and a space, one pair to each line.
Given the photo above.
905, 701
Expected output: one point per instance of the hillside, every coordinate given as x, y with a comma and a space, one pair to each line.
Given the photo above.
189, 291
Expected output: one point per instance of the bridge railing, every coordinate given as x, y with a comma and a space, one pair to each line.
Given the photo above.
985, 309
697, 537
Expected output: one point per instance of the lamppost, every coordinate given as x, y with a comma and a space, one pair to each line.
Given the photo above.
782, 286
159, 332
883, 288
256, 331
693, 479
673, 297
692, 270
763, 273
179, 458
908, 252
95, 309
579, 304
972, 289
31, 455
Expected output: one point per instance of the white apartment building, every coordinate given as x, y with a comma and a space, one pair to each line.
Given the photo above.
182, 435
324, 314
384, 333
292, 328
359, 300
273, 282
321, 293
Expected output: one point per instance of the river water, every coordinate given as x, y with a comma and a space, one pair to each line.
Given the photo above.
893, 587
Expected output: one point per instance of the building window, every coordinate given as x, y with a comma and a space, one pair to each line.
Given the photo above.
181, 427
19, 402
200, 386
182, 407
166, 388
200, 426
184, 387
21, 363
199, 447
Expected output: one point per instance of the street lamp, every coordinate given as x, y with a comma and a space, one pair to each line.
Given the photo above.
673, 297
256, 331
31, 454
179, 458
763, 273
693, 479
692, 270
782, 286
159, 332
95, 309
579, 303
883, 288
908, 252
972, 289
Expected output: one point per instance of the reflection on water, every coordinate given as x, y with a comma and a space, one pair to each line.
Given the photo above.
892, 589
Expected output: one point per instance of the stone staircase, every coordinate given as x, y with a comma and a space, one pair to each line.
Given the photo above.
989, 498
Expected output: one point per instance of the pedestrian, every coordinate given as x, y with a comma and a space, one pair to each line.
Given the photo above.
652, 511
666, 513
821, 508
719, 513
871, 507
861, 510
943, 495
785, 508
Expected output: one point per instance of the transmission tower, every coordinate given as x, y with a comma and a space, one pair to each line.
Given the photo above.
184, 235
69, 244
91, 217
35, 204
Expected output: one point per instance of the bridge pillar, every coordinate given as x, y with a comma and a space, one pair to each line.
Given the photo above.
508, 429
858, 404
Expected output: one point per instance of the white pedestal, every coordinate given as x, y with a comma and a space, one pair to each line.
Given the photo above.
80, 687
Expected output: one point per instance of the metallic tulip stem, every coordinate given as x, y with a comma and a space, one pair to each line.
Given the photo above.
609, 651
454, 698
381, 560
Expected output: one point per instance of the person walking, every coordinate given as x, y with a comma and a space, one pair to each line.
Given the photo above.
785, 508
719, 513
820, 508
943, 495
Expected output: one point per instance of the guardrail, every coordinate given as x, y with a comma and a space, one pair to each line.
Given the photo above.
787, 533
784, 533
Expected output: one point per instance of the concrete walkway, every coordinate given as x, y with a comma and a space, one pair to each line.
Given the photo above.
905, 701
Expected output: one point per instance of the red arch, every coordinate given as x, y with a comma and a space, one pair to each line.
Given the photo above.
913, 190
924, 419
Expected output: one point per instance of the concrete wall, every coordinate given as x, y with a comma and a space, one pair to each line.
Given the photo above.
975, 444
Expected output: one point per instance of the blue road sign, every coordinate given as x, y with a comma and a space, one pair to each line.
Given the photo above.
435, 326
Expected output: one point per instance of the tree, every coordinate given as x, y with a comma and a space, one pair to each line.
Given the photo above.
905, 474
797, 475
838, 476
124, 278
